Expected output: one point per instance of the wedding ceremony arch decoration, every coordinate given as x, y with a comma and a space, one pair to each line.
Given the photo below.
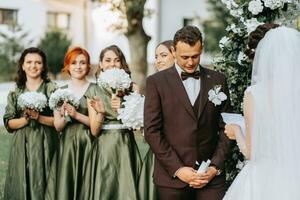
232, 61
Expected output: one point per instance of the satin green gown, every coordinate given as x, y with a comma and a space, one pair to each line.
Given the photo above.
32, 149
67, 170
147, 189
114, 163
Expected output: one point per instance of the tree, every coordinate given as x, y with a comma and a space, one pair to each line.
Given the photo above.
55, 45
214, 28
12, 44
133, 12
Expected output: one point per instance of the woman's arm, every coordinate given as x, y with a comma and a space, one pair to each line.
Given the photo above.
248, 114
45, 120
96, 114
234, 131
78, 116
59, 119
18, 123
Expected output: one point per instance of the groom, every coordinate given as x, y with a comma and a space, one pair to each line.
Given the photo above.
183, 126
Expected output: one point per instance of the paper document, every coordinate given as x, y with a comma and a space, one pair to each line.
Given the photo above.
232, 118
203, 167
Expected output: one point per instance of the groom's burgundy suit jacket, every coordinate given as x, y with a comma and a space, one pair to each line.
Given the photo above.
180, 134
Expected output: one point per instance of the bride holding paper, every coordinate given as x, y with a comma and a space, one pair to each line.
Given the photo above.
272, 116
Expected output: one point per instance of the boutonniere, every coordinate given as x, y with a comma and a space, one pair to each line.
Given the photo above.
216, 96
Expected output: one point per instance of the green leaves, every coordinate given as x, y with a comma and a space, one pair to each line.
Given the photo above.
55, 45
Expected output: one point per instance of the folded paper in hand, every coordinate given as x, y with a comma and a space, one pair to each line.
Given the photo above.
203, 167
232, 118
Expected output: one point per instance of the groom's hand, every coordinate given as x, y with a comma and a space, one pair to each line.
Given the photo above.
190, 176
207, 177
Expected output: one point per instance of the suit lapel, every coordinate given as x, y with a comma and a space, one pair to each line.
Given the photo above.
205, 85
176, 85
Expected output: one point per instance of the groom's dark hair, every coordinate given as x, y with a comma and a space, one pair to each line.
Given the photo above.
188, 34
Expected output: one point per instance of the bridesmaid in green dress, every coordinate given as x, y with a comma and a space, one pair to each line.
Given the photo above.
32, 149
147, 190
115, 161
67, 171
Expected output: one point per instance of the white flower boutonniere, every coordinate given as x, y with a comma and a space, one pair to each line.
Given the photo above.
215, 96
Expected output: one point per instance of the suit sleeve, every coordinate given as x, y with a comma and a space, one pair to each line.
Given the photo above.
224, 143
153, 127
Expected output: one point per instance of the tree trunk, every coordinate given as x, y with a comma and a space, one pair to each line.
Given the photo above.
138, 42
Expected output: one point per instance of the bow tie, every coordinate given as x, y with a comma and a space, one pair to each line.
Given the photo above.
185, 75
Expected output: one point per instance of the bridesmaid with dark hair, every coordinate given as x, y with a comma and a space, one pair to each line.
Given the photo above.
163, 55
147, 190
115, 161
32, 148
67, 172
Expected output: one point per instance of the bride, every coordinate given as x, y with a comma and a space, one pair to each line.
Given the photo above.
272, 114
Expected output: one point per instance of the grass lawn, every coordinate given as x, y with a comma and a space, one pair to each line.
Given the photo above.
4, 154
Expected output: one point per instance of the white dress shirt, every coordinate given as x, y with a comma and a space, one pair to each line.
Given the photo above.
191, 85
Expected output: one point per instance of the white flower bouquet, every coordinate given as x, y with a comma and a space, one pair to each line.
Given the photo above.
115, 79
34, 101
60, 96
132, 112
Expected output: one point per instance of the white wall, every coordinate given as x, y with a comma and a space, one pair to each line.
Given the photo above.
32, 16
166, 19
173, 12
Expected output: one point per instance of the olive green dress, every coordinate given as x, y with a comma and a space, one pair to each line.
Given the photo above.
67, 170
31, 151
114, 163
147, 189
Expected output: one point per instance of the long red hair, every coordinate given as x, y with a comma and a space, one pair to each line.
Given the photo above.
72, 54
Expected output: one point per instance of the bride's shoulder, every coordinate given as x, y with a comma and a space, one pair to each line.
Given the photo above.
250, 89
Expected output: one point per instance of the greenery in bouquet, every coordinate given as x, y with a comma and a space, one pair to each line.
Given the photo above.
232, 61
34, 101
60, 96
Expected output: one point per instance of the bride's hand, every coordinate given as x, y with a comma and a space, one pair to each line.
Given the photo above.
231, 130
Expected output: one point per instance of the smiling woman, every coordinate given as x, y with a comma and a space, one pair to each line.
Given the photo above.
163, 55
66, 174
32, 148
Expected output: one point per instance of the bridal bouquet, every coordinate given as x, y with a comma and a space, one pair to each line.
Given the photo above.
132, 112
60, 96
34, 101
115, 79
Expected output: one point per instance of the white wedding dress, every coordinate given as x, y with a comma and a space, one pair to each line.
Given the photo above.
273, 169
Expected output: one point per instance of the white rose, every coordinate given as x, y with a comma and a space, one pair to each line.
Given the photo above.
223, 42
240, 165
236, 13
251, 24
255, 7
274, 4
241, 57
234, 29
230, 4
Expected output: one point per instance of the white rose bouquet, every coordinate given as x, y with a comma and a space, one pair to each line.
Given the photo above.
34, 101
132, 112
114, 79
60, 96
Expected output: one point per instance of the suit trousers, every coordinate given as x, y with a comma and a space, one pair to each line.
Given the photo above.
209, 192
